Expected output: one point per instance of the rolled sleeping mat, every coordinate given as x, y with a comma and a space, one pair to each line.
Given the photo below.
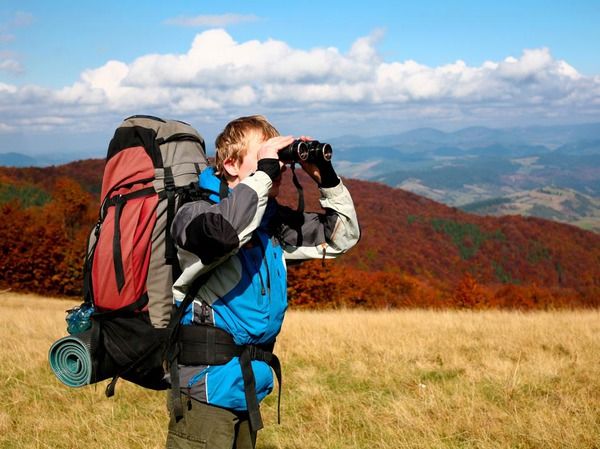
71, 360
129, 348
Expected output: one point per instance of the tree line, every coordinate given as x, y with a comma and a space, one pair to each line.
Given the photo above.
414, 252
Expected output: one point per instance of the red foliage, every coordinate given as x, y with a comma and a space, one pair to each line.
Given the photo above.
512, 261
88, 174
469, 294
414, 252
43, 247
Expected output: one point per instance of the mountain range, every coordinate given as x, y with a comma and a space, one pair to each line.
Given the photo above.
552, 203
468, 166
480, 164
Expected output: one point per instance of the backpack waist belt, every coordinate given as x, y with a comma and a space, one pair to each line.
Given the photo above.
209, 345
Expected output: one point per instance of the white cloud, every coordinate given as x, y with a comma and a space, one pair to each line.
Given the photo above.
221, 78
364, 49
7, 88
212, 21
10, 65
9, 61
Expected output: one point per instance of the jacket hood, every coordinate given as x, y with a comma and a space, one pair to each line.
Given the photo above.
210, 181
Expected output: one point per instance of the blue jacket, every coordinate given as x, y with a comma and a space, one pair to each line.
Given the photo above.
243, 241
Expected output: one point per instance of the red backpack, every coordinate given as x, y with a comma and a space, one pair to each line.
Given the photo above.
152, 167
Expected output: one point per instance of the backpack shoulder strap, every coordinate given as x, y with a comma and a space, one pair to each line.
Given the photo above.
172, 351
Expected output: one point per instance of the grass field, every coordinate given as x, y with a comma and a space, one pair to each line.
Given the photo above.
352, 379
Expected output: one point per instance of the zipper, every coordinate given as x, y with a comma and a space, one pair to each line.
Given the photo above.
266, 259
257, 264
263, 291
262, 284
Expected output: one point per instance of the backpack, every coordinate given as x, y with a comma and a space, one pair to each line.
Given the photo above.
152, 168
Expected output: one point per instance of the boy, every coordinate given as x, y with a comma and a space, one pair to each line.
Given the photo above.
239, 241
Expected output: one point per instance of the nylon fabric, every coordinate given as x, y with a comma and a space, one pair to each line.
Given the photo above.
126, 259
241, 308
128, 166
127, 137
136, 223
248, 297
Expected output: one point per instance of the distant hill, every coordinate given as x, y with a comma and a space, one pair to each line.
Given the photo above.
17, 160
458, 182
477, 163
87, 173
413, 251
479, 136
458, 167
565, 205
460, 177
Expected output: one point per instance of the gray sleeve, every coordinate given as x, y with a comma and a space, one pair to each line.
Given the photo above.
317, 235
212, 231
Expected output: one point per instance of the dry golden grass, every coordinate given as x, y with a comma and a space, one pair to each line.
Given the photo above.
352, 379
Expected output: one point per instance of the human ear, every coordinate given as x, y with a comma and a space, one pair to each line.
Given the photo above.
231, 167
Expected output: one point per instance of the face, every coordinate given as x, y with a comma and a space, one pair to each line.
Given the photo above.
248, 164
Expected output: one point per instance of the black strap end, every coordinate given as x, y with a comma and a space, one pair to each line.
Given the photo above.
177, 409
110, 388
255, 419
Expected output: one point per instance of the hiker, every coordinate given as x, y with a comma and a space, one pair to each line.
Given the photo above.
236, 242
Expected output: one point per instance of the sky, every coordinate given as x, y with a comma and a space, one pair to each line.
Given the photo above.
70, 71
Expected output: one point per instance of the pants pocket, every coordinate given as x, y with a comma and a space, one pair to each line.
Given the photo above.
177, 440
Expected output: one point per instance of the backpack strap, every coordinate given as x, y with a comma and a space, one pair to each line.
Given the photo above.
119, 202
210, 345
170, 249
172, 351
223, 188
249, 353
88, 290
299, 188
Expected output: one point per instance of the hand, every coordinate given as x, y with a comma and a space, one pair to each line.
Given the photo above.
309, 167
312, 170
270, 148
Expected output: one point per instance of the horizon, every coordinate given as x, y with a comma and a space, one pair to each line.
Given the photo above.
67, 157
64, 157
69, 73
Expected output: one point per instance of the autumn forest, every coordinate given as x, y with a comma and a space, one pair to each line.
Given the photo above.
414, 252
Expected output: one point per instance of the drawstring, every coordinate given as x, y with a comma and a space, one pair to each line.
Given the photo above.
299, 188
223, 188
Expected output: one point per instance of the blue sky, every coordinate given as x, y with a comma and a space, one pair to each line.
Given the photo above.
73, 69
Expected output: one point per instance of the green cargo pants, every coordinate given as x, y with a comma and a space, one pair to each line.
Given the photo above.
209, 427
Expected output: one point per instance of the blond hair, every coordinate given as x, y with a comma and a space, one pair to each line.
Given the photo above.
233, 140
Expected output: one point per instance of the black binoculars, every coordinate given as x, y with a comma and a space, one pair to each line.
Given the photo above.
305, 150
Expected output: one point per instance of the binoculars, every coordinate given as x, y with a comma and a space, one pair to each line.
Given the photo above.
305, 150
